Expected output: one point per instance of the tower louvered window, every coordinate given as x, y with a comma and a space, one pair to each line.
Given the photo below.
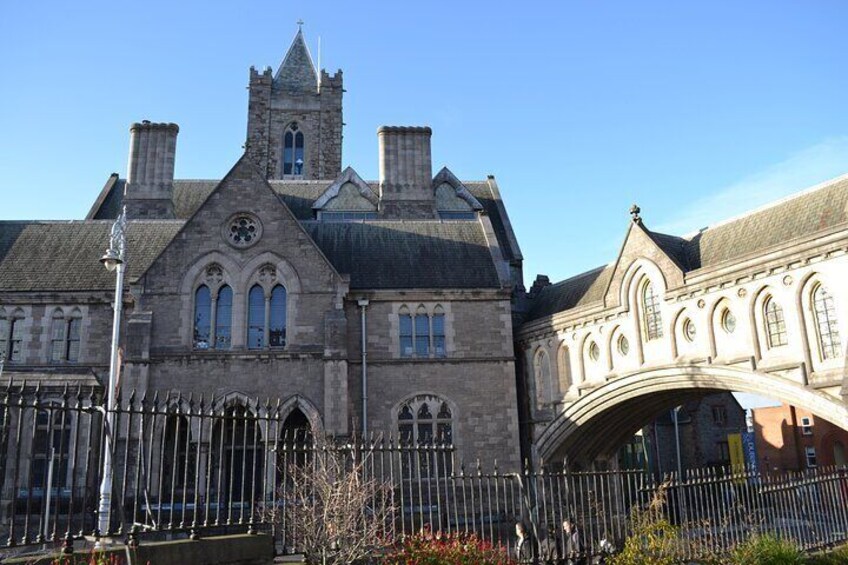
293, 151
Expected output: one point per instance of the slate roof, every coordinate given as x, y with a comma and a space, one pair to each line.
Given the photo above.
64, 256
585, 288
299, 195
818, 209
407, 254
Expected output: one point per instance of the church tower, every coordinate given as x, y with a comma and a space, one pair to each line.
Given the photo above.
294, 121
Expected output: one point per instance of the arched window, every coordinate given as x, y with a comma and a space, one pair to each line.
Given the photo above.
277, 331
256, 318
405, 324
564, 366
826, 323
178, 459
65, 337
52, 439
224, 318
202, 317
293, 151
651, 313
425, 420
422, 333
775, 323
12, 337
439, 332
237, 460
542, 369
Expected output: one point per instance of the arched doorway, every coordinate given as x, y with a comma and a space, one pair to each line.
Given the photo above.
297, 440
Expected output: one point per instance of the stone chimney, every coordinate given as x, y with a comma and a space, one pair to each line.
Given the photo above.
406, 172
150, 173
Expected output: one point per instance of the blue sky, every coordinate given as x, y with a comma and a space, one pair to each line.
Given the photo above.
695, 110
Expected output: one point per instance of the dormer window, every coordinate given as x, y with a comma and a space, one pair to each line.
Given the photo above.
293, 152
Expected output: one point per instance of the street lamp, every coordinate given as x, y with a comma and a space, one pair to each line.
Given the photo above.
114, 261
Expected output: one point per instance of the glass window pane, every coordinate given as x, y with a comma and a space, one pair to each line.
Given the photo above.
17, 340
439, 335
278, 316
405, 335
224, 318
651, 312
57, 352
74, 339
422, 335
4, 336
256, 318
826, 323
202, 317
288, 153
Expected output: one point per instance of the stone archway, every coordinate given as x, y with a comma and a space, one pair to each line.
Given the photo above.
600, 421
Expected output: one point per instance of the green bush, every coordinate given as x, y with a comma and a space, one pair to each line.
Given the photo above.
838, 556
766, 550
446, 549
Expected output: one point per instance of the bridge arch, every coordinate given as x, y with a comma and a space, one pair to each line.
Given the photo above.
600, 421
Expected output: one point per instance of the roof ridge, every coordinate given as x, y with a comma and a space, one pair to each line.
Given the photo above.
803, 192
577, 276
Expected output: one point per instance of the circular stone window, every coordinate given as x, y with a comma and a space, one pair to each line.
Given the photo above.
623, 346
689, 331
594, 351
242, 230
728, 321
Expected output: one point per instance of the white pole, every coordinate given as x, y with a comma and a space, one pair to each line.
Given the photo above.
105, 508
49, 492
114, 256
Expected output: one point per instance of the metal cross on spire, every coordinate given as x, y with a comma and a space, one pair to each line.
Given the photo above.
299, 25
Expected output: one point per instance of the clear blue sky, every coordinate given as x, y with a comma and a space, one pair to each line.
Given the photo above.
695, 110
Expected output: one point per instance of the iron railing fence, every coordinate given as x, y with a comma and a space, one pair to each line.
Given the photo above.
184, 466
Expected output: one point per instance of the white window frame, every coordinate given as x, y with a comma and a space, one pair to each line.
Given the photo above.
810, 455
806, 426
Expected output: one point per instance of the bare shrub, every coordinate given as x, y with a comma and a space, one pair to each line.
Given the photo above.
334, 509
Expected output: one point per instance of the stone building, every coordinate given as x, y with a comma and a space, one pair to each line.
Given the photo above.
753, 304
289, 278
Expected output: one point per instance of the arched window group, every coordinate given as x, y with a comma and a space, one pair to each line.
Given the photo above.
65, 336
293, 151
11, 336
209, 308
266, 317
425, 420
266, 311
421, 334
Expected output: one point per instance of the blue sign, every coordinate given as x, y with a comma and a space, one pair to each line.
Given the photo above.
750, 449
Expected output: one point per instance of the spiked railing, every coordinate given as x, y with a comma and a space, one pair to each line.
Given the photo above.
195, 467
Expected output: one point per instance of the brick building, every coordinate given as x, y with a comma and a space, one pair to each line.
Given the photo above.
793, 439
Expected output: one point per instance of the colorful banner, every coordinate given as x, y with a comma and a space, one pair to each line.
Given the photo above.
750, 447
737, 453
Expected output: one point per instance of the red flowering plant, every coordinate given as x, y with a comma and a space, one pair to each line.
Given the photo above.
429, 548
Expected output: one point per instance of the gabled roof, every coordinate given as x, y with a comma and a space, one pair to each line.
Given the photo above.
348, 176
446, 176
819, 209
300, 195
297, 71
581, 290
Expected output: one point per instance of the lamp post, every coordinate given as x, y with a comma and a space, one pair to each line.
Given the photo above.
113, 260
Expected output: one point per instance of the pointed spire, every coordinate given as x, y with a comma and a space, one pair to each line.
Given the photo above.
297, 72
